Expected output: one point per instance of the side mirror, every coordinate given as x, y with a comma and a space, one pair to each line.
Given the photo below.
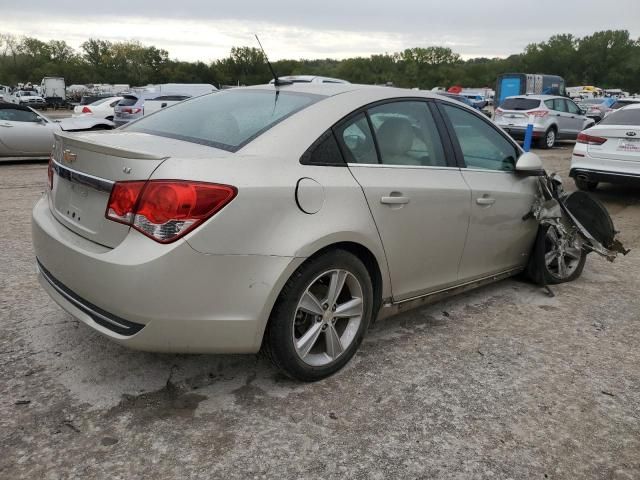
529, 164
583, 111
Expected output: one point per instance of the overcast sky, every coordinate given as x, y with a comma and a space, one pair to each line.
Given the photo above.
206, 30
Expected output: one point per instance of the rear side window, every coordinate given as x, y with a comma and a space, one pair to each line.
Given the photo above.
357, 140
127, 101
481, 145
520, 104
227, 120
324, 151
629, 117
407, 134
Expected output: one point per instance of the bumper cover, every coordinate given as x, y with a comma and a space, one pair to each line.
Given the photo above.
162, 298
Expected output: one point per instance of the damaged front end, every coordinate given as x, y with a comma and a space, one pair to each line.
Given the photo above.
576, 221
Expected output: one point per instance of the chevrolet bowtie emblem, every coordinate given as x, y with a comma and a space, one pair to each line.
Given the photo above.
68, 156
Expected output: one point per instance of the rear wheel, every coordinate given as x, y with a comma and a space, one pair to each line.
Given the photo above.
583, 184
320, 317
549, 139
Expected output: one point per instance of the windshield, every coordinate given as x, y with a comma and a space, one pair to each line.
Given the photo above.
625, 117
27, 94
227, 120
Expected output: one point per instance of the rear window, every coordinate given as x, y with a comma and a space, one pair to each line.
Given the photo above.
226, 120
127, 101
621, 103
623, 117
520, 104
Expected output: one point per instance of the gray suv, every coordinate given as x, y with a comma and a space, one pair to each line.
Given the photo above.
554, 118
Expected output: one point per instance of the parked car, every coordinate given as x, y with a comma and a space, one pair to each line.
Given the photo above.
102, 108
287, 218
26, 134
88, 99
309, 79
132, 105
621, 103
554, 118
597, 108
460, 98
28, 98
609, 151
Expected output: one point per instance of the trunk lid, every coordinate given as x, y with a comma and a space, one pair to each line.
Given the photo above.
87, 165
623, 142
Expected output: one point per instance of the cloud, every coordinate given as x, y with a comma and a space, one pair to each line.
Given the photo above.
202, 30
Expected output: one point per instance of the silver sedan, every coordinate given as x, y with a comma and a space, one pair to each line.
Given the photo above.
27, 134
287, 218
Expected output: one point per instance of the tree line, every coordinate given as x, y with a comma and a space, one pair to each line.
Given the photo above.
608, 59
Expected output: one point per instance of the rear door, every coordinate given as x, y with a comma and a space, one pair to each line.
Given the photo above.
576, 118
414, 189
498, 239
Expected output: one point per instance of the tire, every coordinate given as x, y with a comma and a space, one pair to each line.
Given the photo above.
585, 184
293, 317
544, 272
549, 139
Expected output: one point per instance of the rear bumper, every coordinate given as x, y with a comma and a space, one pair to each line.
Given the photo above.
163, 298
519, 132
605, 176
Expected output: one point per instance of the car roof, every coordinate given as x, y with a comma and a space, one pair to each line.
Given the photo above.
13, 106
332, 89
537, 97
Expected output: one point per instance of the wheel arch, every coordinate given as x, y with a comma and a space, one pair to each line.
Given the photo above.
375, 266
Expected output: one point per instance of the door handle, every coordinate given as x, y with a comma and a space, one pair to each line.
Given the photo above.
485, 201
393, 200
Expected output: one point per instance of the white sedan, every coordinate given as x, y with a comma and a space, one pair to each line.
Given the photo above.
609, 151
102, 108
26, 134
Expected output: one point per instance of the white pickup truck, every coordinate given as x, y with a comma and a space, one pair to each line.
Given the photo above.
27, 98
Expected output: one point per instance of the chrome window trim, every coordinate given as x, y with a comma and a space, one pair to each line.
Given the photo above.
75, 176
383, 165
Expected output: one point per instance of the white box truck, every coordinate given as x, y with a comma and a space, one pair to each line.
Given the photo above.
54, 92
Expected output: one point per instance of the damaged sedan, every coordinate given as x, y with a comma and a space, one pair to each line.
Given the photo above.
288, 218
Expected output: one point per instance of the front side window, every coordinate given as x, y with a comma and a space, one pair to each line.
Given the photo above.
482, 146
227, 120
357, 140
559, 105
407, 134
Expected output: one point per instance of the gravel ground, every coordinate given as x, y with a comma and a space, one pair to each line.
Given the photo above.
502, 383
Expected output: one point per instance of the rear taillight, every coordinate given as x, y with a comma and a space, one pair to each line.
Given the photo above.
165, 210
50, 172
539, 113
590, 139
499, 112
86, 110
130, 110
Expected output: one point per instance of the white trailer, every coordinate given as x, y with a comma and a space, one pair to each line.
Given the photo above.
53, 90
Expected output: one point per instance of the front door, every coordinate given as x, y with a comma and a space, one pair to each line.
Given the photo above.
498, 239
416, 193
24, 132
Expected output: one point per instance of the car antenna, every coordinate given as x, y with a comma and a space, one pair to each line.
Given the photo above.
276, 81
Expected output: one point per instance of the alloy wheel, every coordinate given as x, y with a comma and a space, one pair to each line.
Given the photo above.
551, 138
328, 317
562, 254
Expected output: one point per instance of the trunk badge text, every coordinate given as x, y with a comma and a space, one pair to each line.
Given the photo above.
631, 134
68, 156
127, 170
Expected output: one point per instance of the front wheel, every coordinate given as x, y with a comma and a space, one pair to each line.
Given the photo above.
320, 317
558, 256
